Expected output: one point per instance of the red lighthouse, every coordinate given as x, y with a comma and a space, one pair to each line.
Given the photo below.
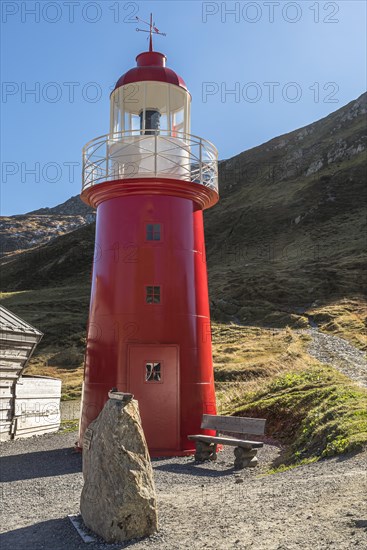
149, 320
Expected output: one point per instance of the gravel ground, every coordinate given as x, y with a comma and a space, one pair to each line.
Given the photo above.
340, 354
321, 505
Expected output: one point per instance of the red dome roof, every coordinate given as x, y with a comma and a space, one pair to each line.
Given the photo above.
151, 66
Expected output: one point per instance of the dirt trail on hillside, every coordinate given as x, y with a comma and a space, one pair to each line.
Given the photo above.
318, 506
339, 354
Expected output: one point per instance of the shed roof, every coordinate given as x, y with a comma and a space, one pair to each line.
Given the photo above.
9, 322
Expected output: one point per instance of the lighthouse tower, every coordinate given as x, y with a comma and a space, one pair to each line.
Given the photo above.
149, 321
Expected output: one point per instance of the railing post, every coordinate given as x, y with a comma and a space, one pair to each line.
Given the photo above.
201, 162
155, 153
106, 156
83, 171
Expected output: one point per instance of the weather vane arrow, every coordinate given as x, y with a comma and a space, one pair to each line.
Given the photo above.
152, 30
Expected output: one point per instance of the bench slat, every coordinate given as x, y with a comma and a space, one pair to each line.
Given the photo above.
227, 441
235, 424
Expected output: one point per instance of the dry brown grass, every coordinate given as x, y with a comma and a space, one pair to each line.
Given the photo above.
246, 358
249, 353
71, 378
345, 318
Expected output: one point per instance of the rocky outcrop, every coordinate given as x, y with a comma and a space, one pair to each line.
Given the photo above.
72, 207
36, 228
118, 500
19, 233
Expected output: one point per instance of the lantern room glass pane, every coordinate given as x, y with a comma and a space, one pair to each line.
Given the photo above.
134, 122
155, 106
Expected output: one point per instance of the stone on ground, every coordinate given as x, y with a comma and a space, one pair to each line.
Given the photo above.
118, 500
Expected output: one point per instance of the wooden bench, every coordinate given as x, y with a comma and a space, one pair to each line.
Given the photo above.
245, 451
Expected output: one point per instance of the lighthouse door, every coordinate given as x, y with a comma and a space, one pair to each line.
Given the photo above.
154, 381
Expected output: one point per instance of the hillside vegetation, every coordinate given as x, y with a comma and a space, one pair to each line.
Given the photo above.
310, 407
285, 247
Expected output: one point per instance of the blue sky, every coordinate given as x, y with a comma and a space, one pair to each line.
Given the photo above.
289, 64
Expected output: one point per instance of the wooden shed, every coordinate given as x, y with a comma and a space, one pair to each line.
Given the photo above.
29, 405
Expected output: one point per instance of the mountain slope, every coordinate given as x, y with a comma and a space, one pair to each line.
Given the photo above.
72, 207
286, 240
29, 230
290, 223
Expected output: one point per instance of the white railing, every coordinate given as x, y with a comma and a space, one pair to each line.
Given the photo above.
150, 153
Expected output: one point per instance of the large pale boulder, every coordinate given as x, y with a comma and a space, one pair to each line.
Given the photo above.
118, 500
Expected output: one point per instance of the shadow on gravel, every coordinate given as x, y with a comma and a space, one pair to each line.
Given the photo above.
57, 534
345, 457
54, 534
361, 524
193, 469
40, 464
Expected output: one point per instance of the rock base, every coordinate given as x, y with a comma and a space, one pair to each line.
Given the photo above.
118, 500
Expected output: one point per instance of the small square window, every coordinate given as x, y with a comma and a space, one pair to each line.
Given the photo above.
153, 232
153, 295
153, 372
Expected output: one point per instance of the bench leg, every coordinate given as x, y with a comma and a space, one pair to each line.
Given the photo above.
245, 458
205, 451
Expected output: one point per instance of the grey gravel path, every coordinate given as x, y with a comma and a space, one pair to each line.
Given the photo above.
318, 506
340, 354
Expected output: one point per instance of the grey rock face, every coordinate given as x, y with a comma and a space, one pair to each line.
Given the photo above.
118, 500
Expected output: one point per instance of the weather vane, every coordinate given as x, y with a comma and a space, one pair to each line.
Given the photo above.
152, 30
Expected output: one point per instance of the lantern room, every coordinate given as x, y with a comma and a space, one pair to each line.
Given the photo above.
150, 106
150, 122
